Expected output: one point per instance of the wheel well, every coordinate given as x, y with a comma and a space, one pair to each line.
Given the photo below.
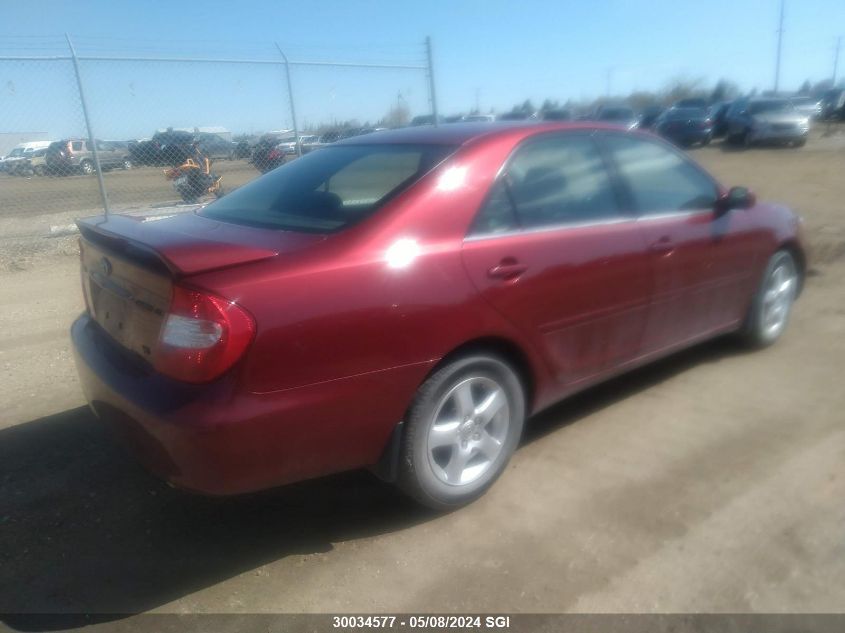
387, 466
504, 348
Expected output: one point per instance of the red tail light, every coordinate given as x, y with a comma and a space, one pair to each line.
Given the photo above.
202, 337
274, 154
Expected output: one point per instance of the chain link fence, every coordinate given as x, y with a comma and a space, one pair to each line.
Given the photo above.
81, 133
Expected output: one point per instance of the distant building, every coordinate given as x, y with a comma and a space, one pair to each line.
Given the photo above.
8, 140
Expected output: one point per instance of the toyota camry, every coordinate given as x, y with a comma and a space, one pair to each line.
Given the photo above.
404, 301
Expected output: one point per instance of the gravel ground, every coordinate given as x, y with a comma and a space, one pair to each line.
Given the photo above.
712, 481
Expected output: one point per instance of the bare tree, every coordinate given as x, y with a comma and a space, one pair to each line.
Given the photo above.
724, 90
683, 88
397, 116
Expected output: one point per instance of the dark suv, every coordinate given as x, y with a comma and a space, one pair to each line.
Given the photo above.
215, 146
170, 147
73, 156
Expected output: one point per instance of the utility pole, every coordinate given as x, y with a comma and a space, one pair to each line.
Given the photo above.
836, 61
92, 142
780, 42
431, 80
296, 144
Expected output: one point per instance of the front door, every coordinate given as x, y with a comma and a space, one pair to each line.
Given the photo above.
699, 258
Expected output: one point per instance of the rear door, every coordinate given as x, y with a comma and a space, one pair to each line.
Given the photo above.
701, 260
108, 154
553, 251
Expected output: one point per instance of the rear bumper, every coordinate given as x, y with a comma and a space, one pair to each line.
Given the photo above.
217, 439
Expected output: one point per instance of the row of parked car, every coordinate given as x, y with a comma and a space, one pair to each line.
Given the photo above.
64, 157
76, 155
745, 121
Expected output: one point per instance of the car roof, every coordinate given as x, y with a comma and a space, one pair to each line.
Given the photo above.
462, 133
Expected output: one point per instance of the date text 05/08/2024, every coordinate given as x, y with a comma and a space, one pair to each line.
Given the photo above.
421, 622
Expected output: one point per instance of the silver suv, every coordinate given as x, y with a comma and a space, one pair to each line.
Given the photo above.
70, 156
753, 121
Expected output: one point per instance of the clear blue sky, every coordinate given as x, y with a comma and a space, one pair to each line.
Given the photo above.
497, 51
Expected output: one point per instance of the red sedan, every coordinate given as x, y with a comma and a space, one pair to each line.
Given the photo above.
405, 300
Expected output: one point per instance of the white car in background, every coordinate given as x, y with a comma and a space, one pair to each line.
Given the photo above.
21, 152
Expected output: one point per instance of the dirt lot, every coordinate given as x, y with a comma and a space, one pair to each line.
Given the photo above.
38, 195
712, 481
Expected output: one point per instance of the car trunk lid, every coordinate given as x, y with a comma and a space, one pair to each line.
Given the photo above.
129, 265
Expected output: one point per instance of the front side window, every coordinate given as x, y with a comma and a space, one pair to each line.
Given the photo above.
327, 190
659, 179
76, 146
554, 181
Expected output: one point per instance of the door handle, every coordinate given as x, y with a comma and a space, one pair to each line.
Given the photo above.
507, 269
664, 246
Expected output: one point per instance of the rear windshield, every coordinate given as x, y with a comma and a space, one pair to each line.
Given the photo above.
328, 189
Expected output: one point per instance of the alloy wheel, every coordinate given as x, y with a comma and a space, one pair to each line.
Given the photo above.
778, 297
468, 430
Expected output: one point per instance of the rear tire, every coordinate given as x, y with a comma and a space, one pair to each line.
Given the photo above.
772, 303
463, 426
39, 170
87, 167
127, 164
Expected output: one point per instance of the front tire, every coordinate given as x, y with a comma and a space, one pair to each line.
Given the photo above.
463, 426
772, 304
87, 167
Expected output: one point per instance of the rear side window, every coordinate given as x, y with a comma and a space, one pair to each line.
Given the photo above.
329, 189
555, 181
498, 215
659, 179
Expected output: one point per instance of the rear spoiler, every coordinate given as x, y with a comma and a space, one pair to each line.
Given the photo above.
184, 244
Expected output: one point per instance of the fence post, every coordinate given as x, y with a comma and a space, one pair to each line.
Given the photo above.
292, 108
91, 140
431, 79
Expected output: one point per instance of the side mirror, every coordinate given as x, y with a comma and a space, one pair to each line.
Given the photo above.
736, 198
